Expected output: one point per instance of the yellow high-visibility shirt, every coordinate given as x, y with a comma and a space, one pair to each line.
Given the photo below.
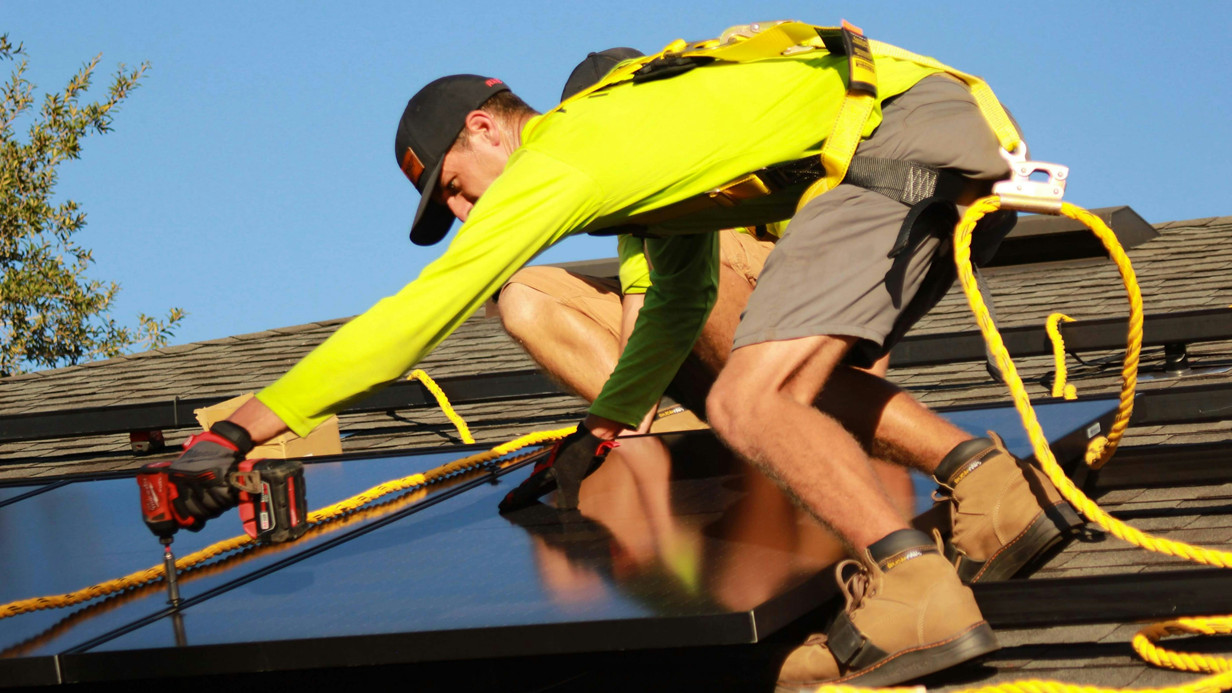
603, 159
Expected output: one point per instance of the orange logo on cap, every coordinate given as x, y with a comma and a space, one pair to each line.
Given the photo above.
412, 166
492, 81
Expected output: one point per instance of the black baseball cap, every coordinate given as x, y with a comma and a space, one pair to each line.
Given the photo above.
430, 124
595, 67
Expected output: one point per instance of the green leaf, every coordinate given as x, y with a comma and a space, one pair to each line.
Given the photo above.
51, 313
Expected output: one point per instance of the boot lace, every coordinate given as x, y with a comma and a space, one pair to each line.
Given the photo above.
853, 579
942, 494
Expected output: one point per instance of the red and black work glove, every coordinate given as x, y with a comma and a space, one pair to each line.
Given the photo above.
200, 474
573, 458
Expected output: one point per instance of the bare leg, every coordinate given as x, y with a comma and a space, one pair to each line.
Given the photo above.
711, 352
897, 483
762, 406
581, 352
573, 348
579, 348
887, 421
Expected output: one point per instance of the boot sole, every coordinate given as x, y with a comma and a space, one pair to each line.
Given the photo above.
1040, 537
907, 665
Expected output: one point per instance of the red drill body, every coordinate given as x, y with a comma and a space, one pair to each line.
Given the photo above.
272, 506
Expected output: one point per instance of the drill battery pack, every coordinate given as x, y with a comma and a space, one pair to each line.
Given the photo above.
272, 501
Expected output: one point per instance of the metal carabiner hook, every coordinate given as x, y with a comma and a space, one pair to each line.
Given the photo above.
1021, 193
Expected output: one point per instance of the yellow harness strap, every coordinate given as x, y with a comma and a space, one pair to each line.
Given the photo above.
858, 105
848, 129
774, 40
994, 113
749, 45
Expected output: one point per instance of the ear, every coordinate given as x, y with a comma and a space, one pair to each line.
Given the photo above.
481, 124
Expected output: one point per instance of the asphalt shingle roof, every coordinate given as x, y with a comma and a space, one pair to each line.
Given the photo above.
1185, 268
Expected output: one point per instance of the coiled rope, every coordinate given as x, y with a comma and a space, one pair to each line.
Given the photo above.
325, 515
1099, 452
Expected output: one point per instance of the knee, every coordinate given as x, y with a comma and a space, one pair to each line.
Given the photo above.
730, 406
521, 308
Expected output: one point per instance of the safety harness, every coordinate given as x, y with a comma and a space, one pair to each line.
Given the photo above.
915, 185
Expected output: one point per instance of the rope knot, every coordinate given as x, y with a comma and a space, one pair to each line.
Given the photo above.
1095, 450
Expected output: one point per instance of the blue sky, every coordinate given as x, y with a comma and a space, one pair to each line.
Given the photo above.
251, 179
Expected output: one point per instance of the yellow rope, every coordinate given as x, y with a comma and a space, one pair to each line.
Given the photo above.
253, 551
1098, 451
1022, 402
1059, 387
463, 431
324, 515
1097, 455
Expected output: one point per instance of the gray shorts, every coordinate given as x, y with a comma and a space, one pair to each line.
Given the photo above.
830, 274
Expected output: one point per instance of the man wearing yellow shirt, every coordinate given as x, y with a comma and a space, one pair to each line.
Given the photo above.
834, 293
574, 326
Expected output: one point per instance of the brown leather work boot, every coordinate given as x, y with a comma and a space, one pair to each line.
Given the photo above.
1004, 513
907, 615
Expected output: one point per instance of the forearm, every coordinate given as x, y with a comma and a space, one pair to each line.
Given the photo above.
630, 307
683, 289
604, 428
370, 351
259, 420
518, 217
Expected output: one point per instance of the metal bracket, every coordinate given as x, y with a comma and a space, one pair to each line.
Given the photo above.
1023, 194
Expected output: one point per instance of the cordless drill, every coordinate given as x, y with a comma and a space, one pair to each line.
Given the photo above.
271, 496
271, 500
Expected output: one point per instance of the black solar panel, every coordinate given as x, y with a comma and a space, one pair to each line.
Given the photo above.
88, 532
12, 494
677, 544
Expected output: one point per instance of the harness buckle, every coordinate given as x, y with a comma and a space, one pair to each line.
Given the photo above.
1026, 195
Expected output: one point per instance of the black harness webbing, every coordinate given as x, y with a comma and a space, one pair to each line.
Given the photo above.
919, 187
915, 185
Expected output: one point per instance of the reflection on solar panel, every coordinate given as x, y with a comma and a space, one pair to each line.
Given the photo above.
677, 544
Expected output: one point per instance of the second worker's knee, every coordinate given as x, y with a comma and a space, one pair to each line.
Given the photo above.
520, 308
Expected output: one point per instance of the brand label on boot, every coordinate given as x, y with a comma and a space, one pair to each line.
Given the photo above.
962, 474
973, 465
901, 558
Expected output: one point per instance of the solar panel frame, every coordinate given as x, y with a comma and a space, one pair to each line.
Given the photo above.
99, 659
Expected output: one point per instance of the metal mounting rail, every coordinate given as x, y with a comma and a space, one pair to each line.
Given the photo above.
1153, 407
1085, 335
1161, 406
1106, 598
178, 413
1178, 405
1151, 466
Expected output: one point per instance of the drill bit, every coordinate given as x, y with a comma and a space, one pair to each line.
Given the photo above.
173, 587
